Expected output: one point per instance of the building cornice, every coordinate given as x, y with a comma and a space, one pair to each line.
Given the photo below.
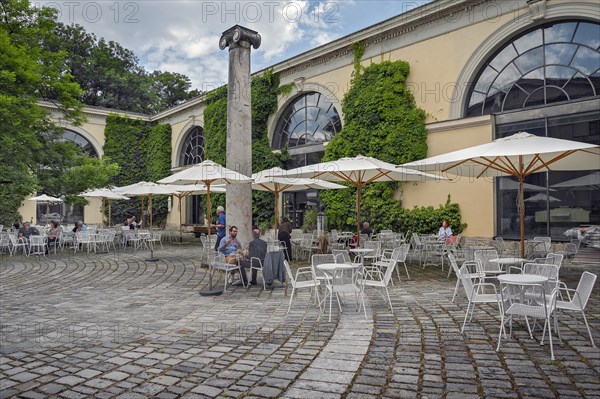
91, 112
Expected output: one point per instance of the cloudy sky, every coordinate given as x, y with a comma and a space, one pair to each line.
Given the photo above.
183, 35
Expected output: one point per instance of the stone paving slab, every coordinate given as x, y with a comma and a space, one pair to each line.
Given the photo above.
114, 326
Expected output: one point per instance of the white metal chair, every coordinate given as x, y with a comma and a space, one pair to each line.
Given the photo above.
540, 307
319, 259
84, 238
454, 266
256, 264
489, 269
304, 278
16, 243
475, 295
338, 283
379, 276
579, 300
156, 238
220, 263
37, 245
398, 255
551, 258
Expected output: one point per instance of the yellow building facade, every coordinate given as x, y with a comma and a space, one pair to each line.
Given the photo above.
451, 46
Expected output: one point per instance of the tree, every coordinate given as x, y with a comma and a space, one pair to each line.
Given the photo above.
111, 77
32, 154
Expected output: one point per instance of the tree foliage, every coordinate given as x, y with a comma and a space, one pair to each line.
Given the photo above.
28, 74
381, 120
111, 77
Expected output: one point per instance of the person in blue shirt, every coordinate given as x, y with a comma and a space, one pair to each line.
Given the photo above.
230, 246
221, 223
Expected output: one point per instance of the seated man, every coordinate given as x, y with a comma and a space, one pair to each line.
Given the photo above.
256, 249
445, 231
231, 247
26, 231
366, 229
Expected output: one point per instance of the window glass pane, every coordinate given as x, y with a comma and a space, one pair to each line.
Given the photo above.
529, 41
595, 78
560, 53
562, 32
579, 87
515, 98
555, 94
536, 98
558, 75
192, 151
586, 60
530, 60
485, 80
533, 80
509, 76
588, 34
503, 58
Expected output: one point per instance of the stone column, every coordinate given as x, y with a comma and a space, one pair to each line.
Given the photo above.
239, 126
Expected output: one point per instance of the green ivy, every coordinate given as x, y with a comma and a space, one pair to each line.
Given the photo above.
358, 50
382, 121
143, 152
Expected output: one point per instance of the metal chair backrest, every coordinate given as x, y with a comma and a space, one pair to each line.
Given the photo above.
400, 253
554, 259
467, 283
584, 289
453, 263
546, 240
341, 256
288, 270
483, 256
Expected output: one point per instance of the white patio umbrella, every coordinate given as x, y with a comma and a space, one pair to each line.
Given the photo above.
275, 181
46, 199
190, 189
104, 194
208, 173
359, 171
591, 181
509, 184
519, 155
148, 188
541, 197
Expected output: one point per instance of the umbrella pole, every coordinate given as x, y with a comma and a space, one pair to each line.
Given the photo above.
109, 215
210, 291
152, 258
180, 223
103, 220
47, 211
521, 207
358, 192
276, 213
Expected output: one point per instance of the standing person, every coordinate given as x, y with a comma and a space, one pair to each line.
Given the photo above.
445, 231
286, 226
221, 223
17, 224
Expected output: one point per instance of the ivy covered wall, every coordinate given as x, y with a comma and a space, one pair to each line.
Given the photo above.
143, 152
382, 121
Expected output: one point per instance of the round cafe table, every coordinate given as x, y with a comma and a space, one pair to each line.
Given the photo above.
519, 279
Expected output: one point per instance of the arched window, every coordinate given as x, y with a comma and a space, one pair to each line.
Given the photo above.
554, 62
192, 150
310, 119
85, 145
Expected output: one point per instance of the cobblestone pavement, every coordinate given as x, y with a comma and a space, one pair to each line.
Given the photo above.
115, 326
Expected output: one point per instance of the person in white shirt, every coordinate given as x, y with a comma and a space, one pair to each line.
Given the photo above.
445, 231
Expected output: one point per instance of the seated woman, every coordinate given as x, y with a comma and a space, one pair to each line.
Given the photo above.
54, 234
445, 231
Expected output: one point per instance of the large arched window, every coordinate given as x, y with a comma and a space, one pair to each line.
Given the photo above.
85, 145
310, 119
552, 63
192, 150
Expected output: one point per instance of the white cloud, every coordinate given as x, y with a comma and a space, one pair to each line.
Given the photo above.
183, 36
